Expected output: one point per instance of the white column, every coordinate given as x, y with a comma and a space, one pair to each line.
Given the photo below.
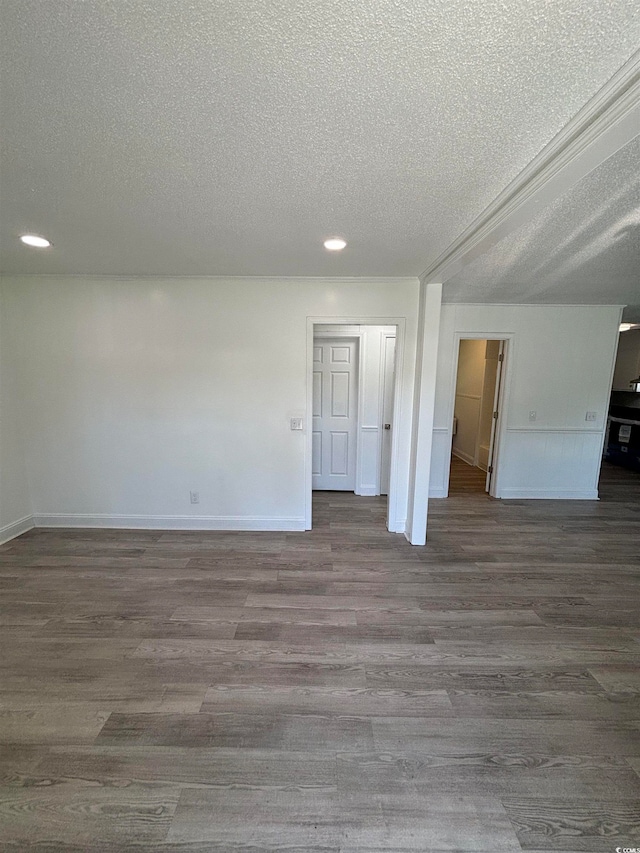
423, 406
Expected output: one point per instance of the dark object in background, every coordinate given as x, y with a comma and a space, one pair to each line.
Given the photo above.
623, 430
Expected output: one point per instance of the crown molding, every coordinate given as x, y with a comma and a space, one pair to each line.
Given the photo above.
252, 279
608, 122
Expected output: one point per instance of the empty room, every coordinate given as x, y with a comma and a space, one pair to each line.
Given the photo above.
319, 426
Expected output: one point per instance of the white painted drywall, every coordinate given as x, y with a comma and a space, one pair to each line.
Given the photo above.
469, 384
15, 505
371, 339
559, 364
628, 360
138, 391
423, 412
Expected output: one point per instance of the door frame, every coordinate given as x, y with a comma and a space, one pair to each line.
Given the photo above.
509, 343
394, 524
384, 338
492, 456
358, 337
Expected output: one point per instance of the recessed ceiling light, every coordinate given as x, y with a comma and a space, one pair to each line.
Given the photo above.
35, 241
335, 244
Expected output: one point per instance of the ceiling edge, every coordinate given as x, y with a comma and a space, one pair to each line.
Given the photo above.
357, 279
606, 123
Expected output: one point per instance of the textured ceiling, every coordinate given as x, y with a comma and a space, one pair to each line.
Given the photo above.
585, 247
217, 137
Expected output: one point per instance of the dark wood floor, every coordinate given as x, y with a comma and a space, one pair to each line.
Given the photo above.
331, 691
466, 478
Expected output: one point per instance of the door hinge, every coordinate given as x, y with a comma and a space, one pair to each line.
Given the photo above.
490, 469
501, 357
495, 416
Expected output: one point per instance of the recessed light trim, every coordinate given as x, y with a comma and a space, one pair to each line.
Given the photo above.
335, 244
35, 241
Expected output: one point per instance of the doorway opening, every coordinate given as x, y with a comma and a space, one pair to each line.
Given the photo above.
476, 416
353, 392
620, 466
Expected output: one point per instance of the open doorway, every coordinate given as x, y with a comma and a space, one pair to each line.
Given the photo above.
474, 447
620, 467
353, 392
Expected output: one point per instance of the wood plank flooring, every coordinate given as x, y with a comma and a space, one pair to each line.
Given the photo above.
336, 691
465, 478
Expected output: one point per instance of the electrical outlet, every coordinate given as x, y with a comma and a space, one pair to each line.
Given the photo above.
591, 416
533, 415
194, 497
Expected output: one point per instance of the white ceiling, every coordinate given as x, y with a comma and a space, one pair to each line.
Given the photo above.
582, 248
218, 137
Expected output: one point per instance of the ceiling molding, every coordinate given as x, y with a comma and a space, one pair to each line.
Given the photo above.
608, 122
159, 279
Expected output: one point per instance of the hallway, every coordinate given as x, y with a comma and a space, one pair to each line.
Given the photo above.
465, 478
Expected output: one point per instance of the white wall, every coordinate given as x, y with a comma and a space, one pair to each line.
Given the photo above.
559, 363
15, 505
628, 360
469, 383
423, 411
138, 391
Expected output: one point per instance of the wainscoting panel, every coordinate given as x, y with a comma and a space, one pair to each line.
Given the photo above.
548, 463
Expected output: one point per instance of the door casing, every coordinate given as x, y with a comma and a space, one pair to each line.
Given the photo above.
394, 524
509, 346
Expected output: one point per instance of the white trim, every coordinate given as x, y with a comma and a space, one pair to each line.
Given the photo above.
606, 123
385, 336
400, 323
353, 279
466, 457
509, 350
554, 429
554, 305
369, 491
429, 315
605, 428
550, 494
438, 493
369, 428
16, 528
170, 522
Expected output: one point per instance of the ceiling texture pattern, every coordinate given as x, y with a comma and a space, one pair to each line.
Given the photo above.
217, 137
581, 248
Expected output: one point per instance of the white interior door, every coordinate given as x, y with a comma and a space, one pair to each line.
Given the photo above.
335, 413
494, 420
388, 373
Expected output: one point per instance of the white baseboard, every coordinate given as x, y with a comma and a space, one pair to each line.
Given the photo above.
438, 493
549, 494
464, 456
171, 522
368, 492
397, 525
16, 528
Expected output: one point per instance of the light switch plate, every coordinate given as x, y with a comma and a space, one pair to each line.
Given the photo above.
296, 423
